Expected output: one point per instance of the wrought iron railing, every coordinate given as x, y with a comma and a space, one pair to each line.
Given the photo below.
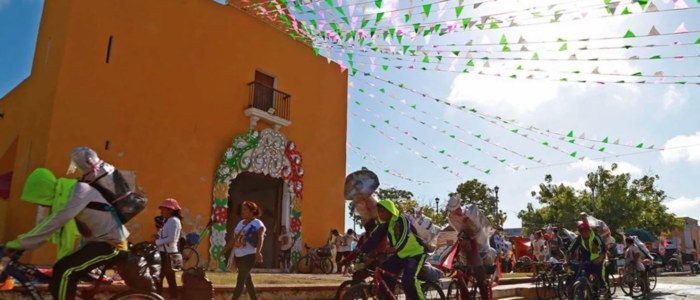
268, 99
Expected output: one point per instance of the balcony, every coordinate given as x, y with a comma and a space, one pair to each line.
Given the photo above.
269, 104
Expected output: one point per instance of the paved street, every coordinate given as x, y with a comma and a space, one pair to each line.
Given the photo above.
686, 287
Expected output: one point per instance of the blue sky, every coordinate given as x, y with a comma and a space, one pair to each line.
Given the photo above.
653, 114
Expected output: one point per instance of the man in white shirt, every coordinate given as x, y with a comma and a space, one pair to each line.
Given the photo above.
633, 260
344, 244
286, 244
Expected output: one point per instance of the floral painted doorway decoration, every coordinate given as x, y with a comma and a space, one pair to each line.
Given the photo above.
266, 152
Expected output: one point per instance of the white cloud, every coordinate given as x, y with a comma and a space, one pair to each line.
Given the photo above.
673, 98
502, 93
579, 184
675, 153
589, 165
685, 207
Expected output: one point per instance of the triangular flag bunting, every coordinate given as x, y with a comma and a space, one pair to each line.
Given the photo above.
653, 31
426, 9
625, 11
640, 145
458, 10
602, 149
573, 154
629, 34
570, 134
605, 140
652, 8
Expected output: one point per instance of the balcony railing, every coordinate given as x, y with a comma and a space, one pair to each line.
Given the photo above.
268, 99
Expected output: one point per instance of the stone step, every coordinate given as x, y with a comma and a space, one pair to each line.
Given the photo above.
511, 298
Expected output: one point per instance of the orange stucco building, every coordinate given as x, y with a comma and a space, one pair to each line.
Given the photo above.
201, 100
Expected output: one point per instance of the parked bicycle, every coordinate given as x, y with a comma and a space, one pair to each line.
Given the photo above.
552, 278
315, 258
190, 256
26, 274
586, 285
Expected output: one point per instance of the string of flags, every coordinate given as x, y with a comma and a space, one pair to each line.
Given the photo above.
388, 170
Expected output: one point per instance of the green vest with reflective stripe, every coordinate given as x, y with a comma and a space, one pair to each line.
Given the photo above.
591, 238
412, 247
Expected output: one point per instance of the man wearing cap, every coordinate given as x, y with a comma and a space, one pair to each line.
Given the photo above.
409, 253
591, 251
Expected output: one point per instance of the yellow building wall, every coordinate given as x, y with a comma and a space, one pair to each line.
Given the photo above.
171, 100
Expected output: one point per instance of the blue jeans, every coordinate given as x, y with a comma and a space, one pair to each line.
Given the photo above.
409, 280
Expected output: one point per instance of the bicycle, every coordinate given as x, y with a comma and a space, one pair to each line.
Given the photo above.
372, 289
25, 274
190, 256
586, 286
463, 281
315, 258
633, 284
363, 268
550, 280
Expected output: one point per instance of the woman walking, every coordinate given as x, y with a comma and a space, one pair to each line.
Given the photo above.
168, 237
247, 242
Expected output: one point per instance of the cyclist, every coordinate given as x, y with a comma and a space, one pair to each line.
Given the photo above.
591, 252
633, 261
409, 253
103, 234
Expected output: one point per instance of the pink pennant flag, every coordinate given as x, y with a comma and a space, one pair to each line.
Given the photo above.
372, 65
411, 67
680, 4
340, 2
679, 58
441, 9
353, 23
392, 49
681, 28
320, 12
322, 24
351, 9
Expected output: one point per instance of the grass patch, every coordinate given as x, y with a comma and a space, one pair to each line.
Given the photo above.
516, 275
229, 278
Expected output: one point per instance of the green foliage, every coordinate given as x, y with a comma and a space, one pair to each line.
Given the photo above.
617, 199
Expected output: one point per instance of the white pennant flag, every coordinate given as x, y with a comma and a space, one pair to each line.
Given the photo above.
573, 57
521, 40
681, 28
487, 65
595, 71
652, 7
680, 4
659, 74
653, 31
616, 142
524, 49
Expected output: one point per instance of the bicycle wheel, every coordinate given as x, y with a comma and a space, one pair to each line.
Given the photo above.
581, 291
135, 295
359, 291
343, 288
305, 265
652, 280
541, 286
560, 288
612, 287
326, 265
632, 285
432, 291
190, 258
453, 290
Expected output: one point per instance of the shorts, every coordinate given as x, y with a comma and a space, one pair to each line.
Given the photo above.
340, 256
286, 254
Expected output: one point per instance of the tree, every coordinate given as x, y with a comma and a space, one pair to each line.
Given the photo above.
475, 192
439, 218
405, 202
620, 201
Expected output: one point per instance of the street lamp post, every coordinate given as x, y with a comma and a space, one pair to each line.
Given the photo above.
437, 203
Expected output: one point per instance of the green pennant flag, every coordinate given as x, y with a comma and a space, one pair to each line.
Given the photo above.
364, 23
405, 48
629, 34
530, 157
504, 40
571, 141
372, 31
426, 9
435, 28
379, 18
488, 171
372, 125
439, 57
502, 160
466, 162
426, 59
313, 22
573, 154
625, 12
346, 20
605, 140
513, 76
515, 130
466, 21
535, 56
458, 10
334, 26
350, 56
505, 48
392, 107
698, 40
563, 47
493, 25
602, 149
340, 10
286, 20
480, 26
416, 26
478, 136
519, 68
453, 136
354, 71
392, 31
470, 63
545, 143
456, 53
386, 171
442, 151
570, 134
445, 167
378, 3
643, 3
472, 110
386, 121
316, 51
413, 106
637, 74
361, 90
358, 103
385, 67
641, 145
655, 57
382, 90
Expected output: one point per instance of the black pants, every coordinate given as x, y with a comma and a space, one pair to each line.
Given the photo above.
244, 264
166, 271
69, 269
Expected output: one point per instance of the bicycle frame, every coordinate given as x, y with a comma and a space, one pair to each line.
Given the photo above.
21, 272
379, 282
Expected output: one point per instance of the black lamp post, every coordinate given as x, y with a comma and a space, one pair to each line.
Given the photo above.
495, 189
437, 203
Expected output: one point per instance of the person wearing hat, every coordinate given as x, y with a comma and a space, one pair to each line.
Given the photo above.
591, 251
409, 255
168, 237
73, 214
